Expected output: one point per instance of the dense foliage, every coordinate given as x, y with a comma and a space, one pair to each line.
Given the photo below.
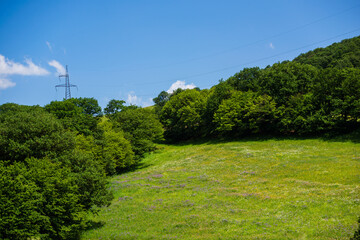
316, 93
31, 132
112, 150
345, 54
54, 161
46, 185
245, 112
182, 115
141, 127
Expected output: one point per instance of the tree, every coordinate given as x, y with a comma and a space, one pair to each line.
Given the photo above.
51, 185
160, 101
337, 94
246, 80
114, 106
141, 127
162, 98
20, 217
39, 199
217, 94
74, 117
89, 176
182, 115
338, 55
283, 80
112, 150
31, 132
90, 106
245, 112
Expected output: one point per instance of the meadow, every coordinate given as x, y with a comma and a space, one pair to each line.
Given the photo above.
248, 189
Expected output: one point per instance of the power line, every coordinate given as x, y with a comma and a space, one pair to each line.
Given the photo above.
250, 62
262, 40
234, 66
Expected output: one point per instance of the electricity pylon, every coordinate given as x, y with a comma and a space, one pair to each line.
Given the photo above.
67, 84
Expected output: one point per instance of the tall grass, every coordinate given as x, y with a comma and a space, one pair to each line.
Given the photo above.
271, 189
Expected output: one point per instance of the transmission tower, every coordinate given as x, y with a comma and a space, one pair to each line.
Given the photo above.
67, 84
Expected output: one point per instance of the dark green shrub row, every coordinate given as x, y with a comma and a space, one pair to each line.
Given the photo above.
54, 161
301, 97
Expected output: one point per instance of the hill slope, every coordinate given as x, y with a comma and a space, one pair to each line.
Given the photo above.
272, 189
338, 55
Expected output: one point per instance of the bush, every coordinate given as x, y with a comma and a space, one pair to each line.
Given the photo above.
39, 199
245, 112
141, 128
46, 187
182, 115
20, 201
31, 132
73, 117
112, 150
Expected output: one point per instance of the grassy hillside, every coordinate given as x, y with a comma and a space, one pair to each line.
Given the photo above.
269, 189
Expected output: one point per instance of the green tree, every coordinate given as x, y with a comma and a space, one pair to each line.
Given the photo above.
114, 106
38, 154
141, 127
31, 132
111, 150
60, 199
246, 80
182, 115
345, 54
90, 106
20, 201
89, 177
217, 94
283, 80
73, 117
245, 112
162, 98
39, 199
337, 94
160, 101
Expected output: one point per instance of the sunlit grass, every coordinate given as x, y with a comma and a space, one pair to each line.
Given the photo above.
271, 189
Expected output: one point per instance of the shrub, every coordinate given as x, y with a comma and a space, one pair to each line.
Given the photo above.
182, 115
31, 132
39, 199
245, 112
112, 150
141, 128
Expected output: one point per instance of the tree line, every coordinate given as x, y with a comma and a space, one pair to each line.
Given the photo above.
54, 161
316, 93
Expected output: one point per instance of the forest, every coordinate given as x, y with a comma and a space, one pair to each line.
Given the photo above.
55, 160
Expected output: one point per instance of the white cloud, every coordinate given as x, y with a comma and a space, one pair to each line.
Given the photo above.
59, 68
271, 45
8, 67
180, 84
6, 83
49, 46
135, 100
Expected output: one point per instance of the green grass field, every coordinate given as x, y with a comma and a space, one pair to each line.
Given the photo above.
265, 189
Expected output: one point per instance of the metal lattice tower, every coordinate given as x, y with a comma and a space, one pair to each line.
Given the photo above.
67, 84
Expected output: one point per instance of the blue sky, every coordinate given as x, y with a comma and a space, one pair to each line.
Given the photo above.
132, 50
